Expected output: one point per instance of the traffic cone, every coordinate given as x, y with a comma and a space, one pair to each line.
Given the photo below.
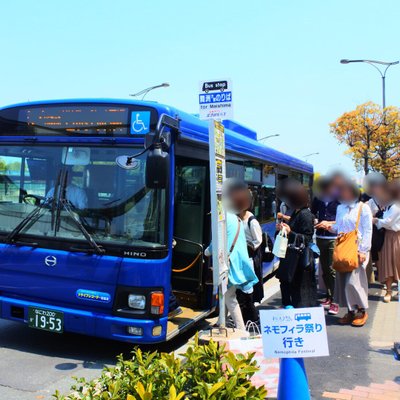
293, 383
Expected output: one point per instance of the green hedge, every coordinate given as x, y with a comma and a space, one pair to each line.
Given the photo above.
208, 372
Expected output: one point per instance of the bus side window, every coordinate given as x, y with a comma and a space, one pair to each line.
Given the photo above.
234, 169
268, 194
257, 204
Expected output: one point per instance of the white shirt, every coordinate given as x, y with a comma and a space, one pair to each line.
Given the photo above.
346, 218
253, 233
390, 219
75, 195
373, 206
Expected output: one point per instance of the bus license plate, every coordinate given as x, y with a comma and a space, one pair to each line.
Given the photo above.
47, 320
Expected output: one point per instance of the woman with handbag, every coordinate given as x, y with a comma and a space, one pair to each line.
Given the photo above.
297, 269
354, 229
243, 199
241, 276
254, 238
389, 255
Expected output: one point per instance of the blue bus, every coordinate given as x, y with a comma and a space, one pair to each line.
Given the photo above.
105, 208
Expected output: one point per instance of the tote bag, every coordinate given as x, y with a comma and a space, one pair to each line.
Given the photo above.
345, 254
289, 264
281, 244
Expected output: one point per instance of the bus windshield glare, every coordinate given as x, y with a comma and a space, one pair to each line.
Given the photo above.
72, 183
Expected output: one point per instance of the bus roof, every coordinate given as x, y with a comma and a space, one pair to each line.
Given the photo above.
238, 138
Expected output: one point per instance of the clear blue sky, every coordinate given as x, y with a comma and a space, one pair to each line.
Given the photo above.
282, 56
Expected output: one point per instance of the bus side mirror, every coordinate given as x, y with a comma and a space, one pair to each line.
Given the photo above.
157, 144
158, 160
157, 168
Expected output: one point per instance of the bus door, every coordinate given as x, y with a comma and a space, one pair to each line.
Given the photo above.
190, 225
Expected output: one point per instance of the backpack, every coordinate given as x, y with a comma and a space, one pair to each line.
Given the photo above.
265, 248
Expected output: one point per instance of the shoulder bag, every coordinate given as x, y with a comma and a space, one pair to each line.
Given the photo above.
345, 254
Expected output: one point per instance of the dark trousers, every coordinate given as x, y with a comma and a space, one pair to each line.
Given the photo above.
302, 290
326, 247
290, 294
247, 307
258, 288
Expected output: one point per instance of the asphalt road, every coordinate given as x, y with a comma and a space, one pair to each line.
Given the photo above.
33, 363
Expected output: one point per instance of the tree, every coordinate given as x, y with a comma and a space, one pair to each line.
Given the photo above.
14, 166
373, 137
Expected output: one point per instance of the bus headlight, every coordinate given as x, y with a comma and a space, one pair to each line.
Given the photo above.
137, 301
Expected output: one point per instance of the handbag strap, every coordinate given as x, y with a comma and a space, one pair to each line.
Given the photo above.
249, 220
298, 240
359, 216
236, 237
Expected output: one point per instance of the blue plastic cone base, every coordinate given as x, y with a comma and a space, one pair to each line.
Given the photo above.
293, 383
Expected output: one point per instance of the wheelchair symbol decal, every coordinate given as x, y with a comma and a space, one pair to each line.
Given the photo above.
140, 122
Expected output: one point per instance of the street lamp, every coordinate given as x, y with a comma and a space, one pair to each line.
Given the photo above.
309, 155
149, 89
382, 71
267, 137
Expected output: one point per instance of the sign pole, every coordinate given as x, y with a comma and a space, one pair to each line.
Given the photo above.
215, 105
218, 216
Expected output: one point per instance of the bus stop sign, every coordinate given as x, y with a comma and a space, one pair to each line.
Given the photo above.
215, 100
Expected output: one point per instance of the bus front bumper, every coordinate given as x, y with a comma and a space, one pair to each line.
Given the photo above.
90, 323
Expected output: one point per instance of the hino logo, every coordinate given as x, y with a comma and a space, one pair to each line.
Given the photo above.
141, 254
50, 261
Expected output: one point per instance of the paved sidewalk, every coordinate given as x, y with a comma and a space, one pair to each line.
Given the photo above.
386, 325
361, 364
378, 391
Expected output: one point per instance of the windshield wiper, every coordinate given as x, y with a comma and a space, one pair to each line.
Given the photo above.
66, 206
60, 193
30, 219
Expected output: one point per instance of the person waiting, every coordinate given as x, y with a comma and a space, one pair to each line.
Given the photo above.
388, 262
254, 237
240, 269
351, 289
324, 208
298, 282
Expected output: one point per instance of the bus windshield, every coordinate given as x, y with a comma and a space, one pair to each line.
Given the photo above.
112, 204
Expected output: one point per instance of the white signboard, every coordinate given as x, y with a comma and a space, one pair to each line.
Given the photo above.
215, 100
294, 333
218, 223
